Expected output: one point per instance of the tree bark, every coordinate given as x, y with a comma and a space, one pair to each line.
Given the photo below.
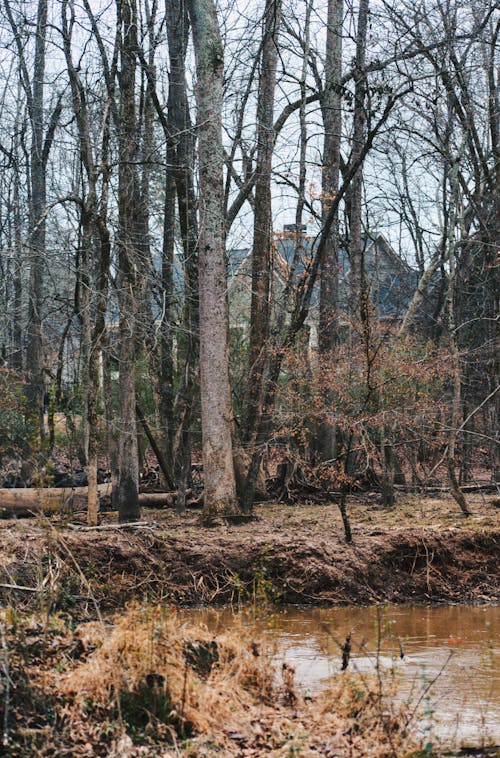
332, 121
34, 361
329, 265
356, 294
263, 222
216, 405
456, 406
128, 478
184, 168
25, 501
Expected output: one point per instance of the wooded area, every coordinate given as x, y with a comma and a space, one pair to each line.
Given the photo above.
260, 241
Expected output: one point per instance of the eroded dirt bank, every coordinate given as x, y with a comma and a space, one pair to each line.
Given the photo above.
421, 551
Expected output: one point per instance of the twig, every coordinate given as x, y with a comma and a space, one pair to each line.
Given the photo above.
20, 587
429, 686
82, 576
103, 527
6, 699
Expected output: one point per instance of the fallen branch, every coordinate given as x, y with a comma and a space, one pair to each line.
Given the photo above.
20, 588
485, 487
108, 527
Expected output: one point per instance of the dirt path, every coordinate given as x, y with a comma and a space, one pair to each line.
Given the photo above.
420, 551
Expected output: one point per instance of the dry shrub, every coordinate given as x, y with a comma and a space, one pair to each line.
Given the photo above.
155, 671
168, 679
151, 684
354, 713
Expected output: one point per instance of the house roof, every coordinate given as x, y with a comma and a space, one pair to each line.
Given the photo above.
392, 280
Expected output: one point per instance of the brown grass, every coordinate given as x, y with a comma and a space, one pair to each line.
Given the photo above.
140, 676
131, 687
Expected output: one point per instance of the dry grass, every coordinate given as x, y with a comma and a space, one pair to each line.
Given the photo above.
192, 681
145, 676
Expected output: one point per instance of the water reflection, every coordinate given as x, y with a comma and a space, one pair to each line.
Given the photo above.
445, 659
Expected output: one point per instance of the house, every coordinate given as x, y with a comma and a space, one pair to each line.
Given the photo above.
391, 282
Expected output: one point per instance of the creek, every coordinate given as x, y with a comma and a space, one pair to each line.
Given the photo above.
442, 662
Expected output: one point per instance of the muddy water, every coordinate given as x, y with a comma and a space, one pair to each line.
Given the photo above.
444, 661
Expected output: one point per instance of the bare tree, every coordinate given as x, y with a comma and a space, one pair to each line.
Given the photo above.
262, 219
331, 107
41, 141
128, 480
216, 404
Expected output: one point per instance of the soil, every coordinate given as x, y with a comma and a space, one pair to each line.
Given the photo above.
420, 551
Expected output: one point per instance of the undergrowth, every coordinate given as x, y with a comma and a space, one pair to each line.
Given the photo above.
148, 683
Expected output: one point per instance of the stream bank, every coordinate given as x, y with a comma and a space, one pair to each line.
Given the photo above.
418, 552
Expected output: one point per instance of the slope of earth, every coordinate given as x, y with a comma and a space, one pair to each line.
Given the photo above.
419, 551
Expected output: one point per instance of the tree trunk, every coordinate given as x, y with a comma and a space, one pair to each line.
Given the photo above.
387, 457
17, 359
329, 265
332, 120
456, 407
109, 413
357, 294
184, 166
216, 406
167, 333
34, 362
128, 479
263, 221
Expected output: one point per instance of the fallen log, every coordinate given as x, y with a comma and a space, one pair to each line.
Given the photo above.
441, 488
165, 499
46, 500
30, 501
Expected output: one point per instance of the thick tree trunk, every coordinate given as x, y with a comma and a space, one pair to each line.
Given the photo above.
128, 480
216, 405
184, 163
